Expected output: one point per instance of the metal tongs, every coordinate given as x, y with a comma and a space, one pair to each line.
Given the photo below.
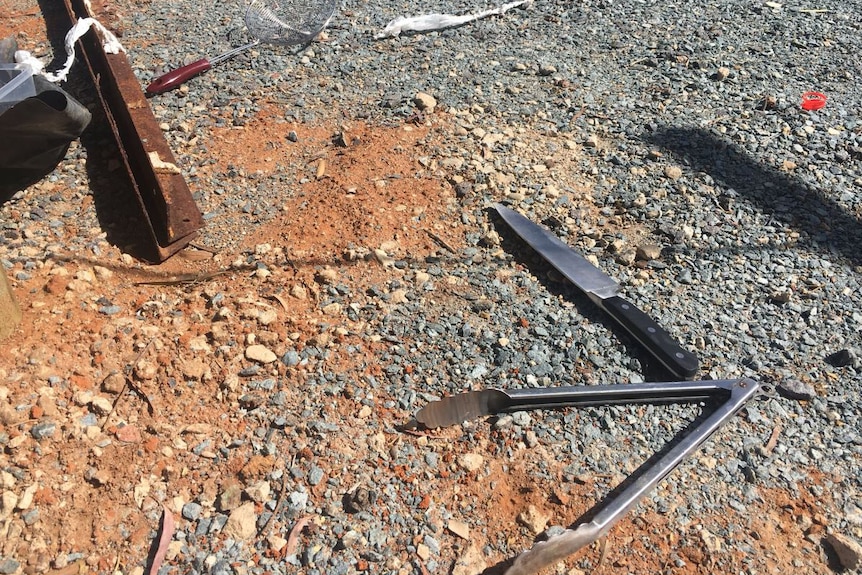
728, 396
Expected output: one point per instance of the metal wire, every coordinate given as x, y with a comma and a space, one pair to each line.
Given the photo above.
288, 21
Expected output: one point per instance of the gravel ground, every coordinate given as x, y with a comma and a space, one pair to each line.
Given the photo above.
621, 125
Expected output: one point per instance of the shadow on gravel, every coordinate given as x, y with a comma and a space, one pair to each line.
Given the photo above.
651, 368
823, 223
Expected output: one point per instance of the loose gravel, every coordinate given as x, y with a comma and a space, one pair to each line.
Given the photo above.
680, 130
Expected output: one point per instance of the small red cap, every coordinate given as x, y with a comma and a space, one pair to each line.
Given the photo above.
813, 100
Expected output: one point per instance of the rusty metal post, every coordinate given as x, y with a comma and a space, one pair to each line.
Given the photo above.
171, 214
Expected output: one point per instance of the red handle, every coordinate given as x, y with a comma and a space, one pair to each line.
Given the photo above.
176, 77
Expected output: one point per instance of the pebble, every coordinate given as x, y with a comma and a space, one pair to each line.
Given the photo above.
242, 522
459, 528
848, 550
260, 353
425, 102
470, 461
192, 511
43, 430
534, 519
230, 497
795, 389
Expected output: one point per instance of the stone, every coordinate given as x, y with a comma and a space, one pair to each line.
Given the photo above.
8, 502
647, 252
114, 383
459, 528
534, 519
425, 102
673, 172
327, 276
849, 551
842, 358
276, 542
471, 562
722, 73
795, 389
101, 405
129, 434
230, 497
192, 510
259, 492
260, 354
242, 522
43, 430
470, 461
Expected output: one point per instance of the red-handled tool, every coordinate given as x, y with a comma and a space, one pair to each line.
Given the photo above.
293, 23
174, 78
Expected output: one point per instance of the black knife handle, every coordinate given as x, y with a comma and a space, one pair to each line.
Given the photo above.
657, 341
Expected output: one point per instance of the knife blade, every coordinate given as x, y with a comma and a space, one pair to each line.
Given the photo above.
603, 291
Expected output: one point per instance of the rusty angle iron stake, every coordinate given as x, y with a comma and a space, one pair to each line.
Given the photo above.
170, 212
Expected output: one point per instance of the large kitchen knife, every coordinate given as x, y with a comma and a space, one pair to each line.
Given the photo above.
603, 290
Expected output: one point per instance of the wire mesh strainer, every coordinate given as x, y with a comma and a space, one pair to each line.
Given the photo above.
282, 22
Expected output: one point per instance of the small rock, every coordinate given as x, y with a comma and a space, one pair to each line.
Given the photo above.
592, 141
259, 492
425, 102
291, 358
849, 551
383, 258
358, 500
260, 354
533, 519
146, 370
267, 316
673, 172
712, 542
722, 73
297, 500
459, 528
470, 461
327, 276
114, 383
842, 358
101, 405
26, 499
8, 566
192, 510
298, 291
547, 69
251, 401
242, 523
129, 434
795, 389
230, 497
647, 252
8, 502
472, 562
43, 430
626, 257
276, 543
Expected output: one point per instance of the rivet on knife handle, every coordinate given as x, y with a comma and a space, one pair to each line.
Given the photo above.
658, 342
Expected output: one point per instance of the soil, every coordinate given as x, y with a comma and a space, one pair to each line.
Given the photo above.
96, 486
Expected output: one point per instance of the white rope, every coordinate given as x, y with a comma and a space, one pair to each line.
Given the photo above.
109, 42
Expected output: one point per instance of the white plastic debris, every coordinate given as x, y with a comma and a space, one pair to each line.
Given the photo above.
109, 42
431, 22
